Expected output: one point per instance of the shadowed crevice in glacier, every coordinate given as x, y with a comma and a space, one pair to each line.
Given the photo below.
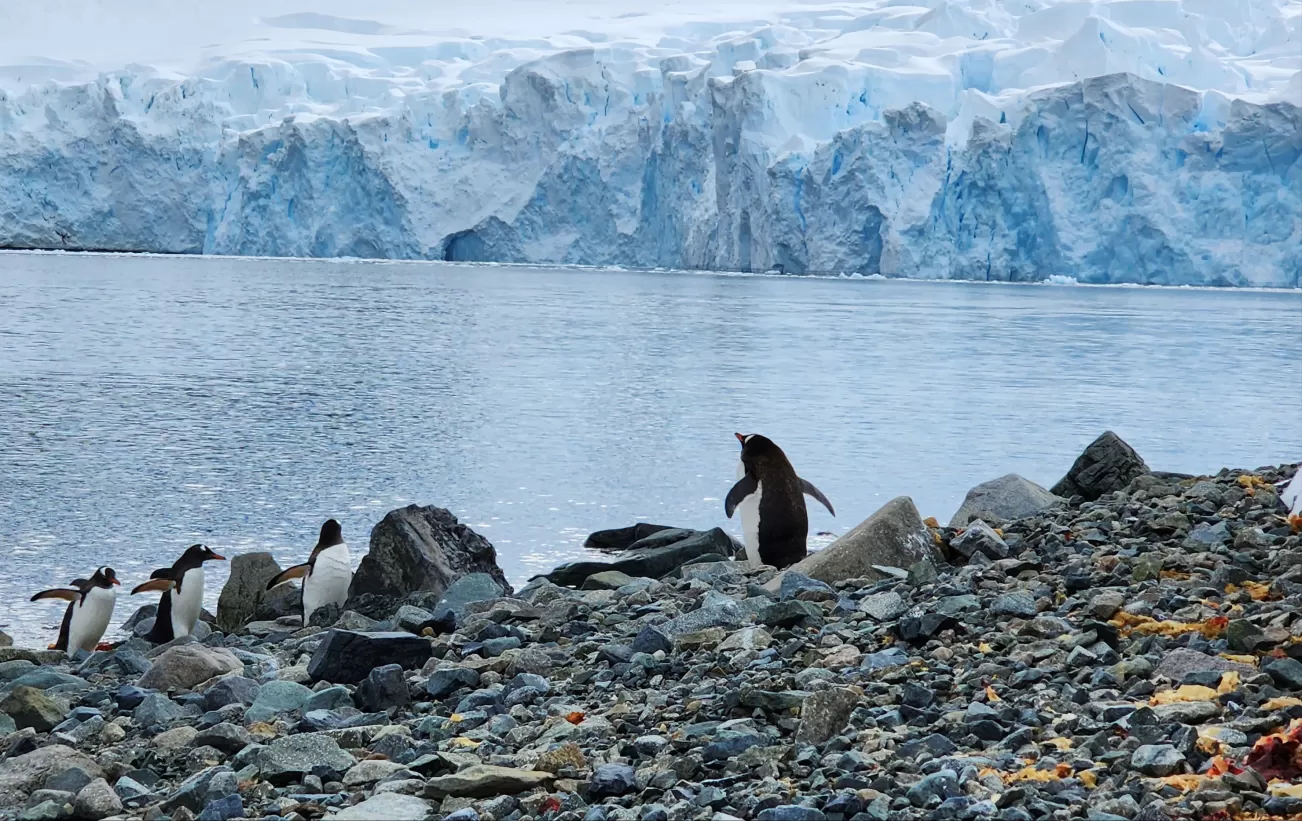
1112, 179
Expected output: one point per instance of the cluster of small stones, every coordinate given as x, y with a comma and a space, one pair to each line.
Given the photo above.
1050, 669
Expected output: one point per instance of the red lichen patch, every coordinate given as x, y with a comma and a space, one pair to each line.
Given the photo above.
1278, 756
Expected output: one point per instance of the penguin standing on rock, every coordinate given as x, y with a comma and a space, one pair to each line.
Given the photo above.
90, 608
326, 575
182, 589
771, 500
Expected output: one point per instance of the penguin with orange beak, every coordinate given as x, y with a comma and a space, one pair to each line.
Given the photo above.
90, 608
182, 589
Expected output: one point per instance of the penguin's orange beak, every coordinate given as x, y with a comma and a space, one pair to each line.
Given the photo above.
741, 437
115, 581
219, 557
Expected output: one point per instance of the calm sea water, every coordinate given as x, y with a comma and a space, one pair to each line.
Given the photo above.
148, 403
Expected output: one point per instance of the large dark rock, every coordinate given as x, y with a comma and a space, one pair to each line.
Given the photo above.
1106, 466
345, 657
422, 549
622, 538
245, 597
650, 560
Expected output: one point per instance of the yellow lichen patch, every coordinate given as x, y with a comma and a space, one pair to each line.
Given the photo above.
1251, 661
1282, 789
1063, 744
984, 648
930, 521
1187, 692
1229, 682
1030, 773
1129, 623
1184, 783
462, 741
1282, 703
1256, 590
1088, 778
991, 695
1250, 483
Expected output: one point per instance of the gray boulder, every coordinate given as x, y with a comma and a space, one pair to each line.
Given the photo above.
96, 800
422, 548
345, 657
1107, 465
184, 666
245, 596
485, 781
288, 759
23, 774
825, 714
388, 806
894, 536
1004, 499
30, 707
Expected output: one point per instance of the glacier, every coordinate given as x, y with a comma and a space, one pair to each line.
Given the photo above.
1113, 141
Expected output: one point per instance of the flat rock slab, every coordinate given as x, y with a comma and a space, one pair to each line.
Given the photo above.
894, 536
346, 657
485, 781
387, 806
182, 667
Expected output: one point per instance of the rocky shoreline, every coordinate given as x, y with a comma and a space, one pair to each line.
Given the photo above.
1125, 645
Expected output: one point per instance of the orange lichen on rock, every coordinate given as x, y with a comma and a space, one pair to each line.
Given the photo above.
1282, 703
575, 717
1129, 623
1187, 692
1256, 590
1030, 773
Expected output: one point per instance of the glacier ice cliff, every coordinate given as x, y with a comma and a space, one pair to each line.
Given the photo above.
772, 160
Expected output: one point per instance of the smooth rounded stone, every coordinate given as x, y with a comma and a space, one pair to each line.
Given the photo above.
448, 680
1005, 499
230, 690
825, 714
606, 580
46, 679
622, 538
201, 788
96, 800
463, 814
791, 613
1106, 604
226, 808
424, 549
979, 537
723, 615
1157, 760
227, 737
7, 725
31, 707
286, 759
156, 710
731, 743
369, 772
934, 789
791, 812
245, 596
276, 697
611, 780
747, 638
894, 536
17, 668
384, 688
329, 698
484, 781
791, 584
1178, 663
492, 648
20, 775
386, 807
650, 640
175, 738
70, 779
48, 810
346, 657
650, 745
184, 666
883, 606
412, 618
1107, 465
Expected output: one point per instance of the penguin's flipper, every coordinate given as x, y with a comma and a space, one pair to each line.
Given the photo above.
298, 571
58, 593
745, 486
160, 585
808, 487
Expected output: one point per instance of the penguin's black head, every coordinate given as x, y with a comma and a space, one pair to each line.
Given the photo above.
331, 534
197, 554
104, 577
759, 451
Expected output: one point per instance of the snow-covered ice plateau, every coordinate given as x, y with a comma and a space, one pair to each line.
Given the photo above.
1136, 141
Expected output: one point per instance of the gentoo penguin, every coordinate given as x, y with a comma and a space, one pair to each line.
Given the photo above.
770, 497
90, 607
182, 589
1292, 498
327, 574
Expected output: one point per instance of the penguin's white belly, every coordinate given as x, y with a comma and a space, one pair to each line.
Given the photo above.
90, 618
748, 510
187, 603
328, 583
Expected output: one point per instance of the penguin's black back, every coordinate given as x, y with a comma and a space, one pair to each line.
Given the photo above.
783, 519
161, 632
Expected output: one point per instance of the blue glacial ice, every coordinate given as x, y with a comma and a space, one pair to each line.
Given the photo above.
1131, 141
